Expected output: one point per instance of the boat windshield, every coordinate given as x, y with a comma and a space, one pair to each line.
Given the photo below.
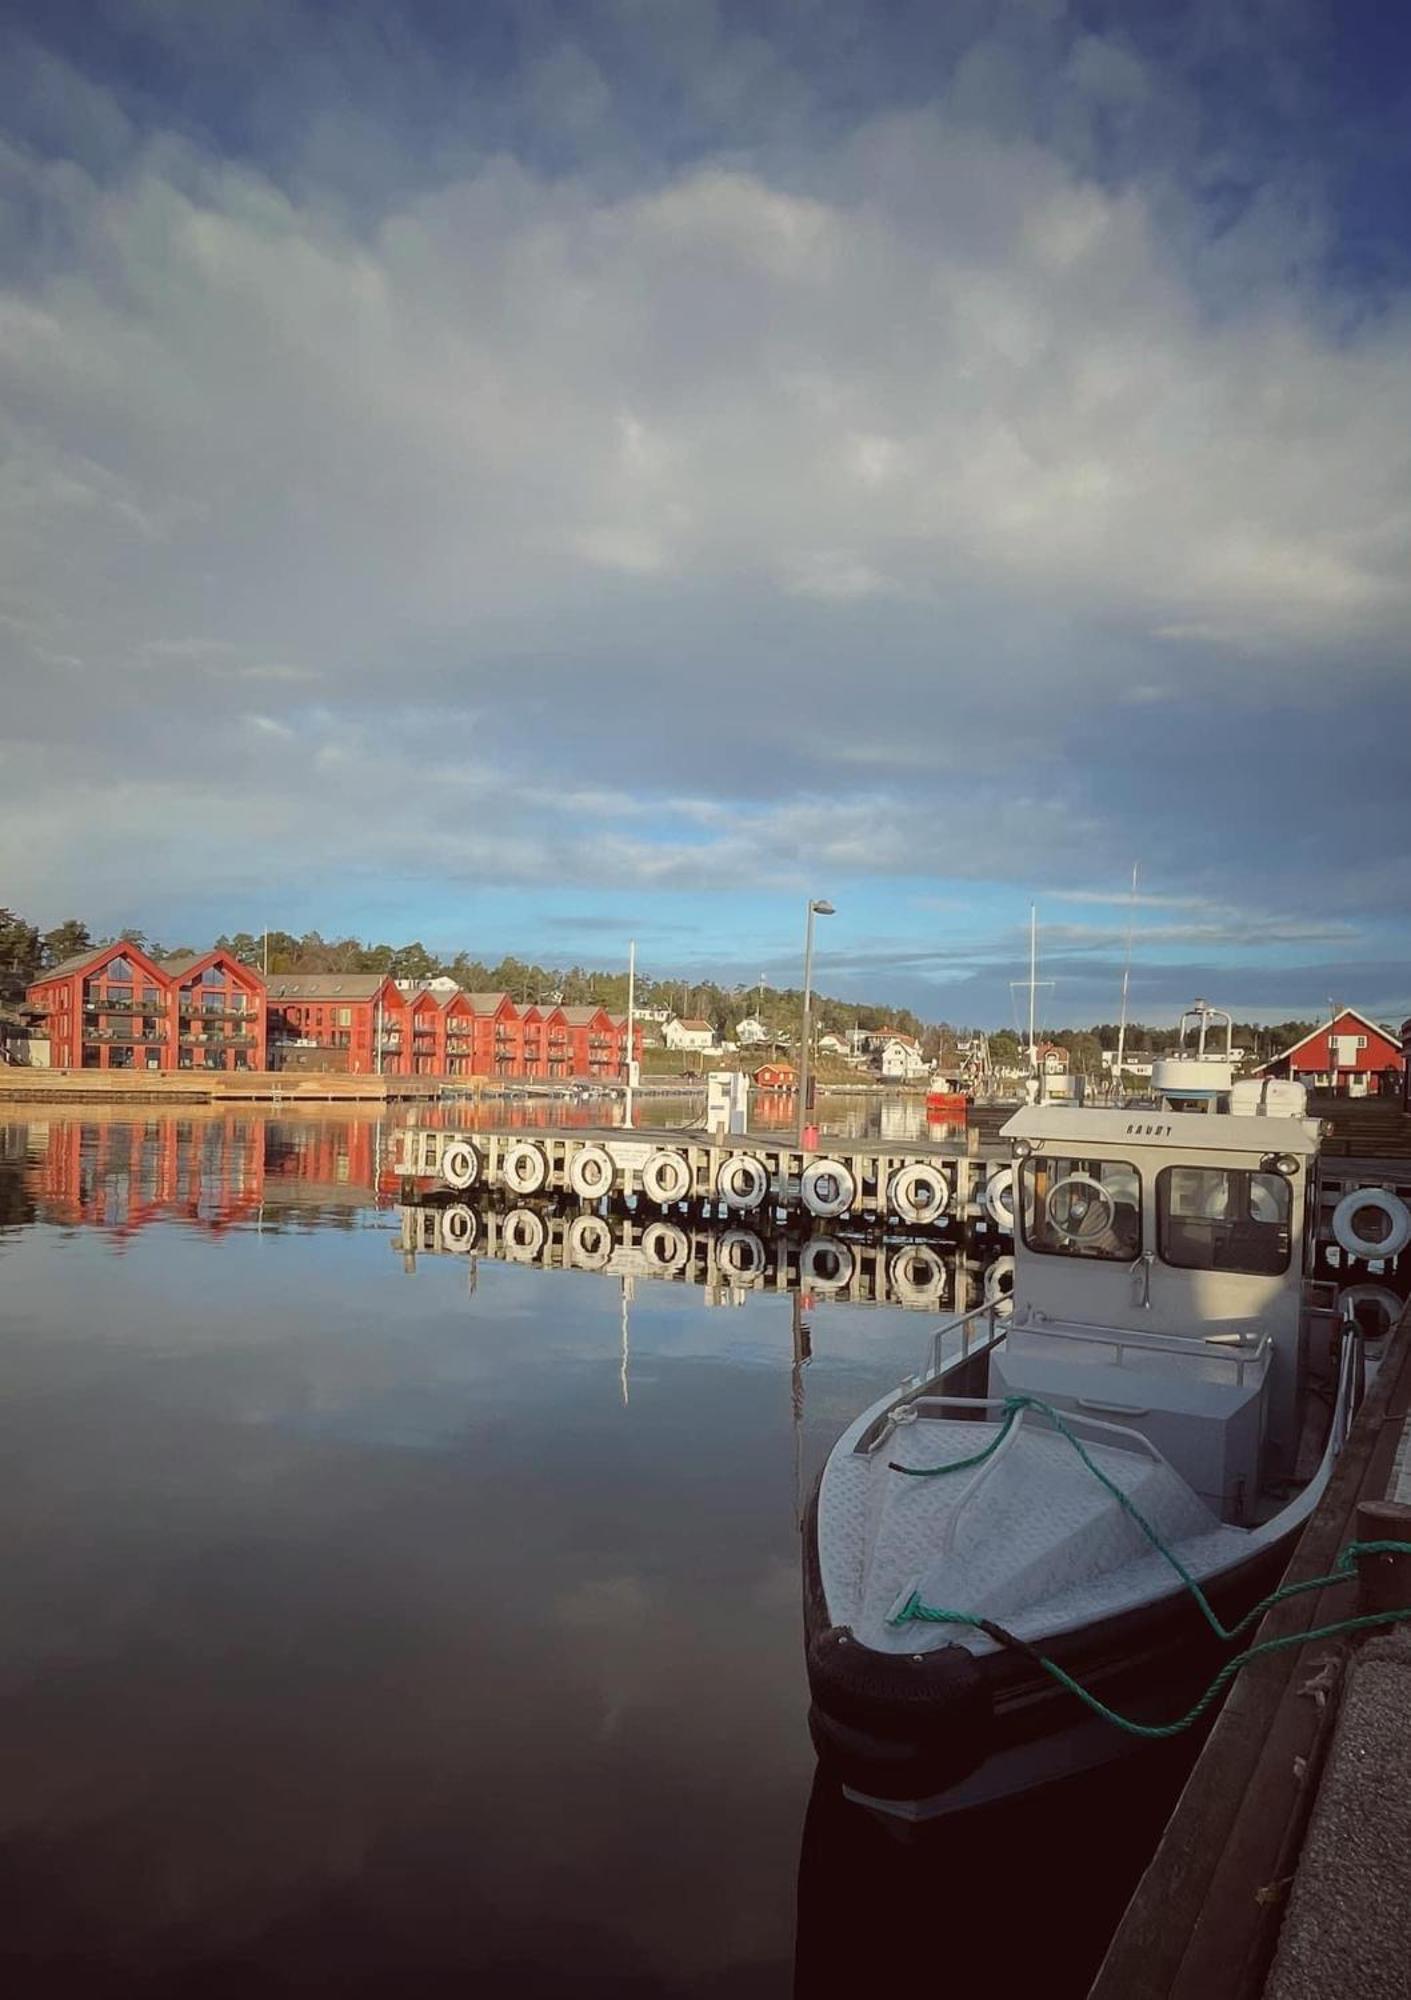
1224, 1219
1081, 1207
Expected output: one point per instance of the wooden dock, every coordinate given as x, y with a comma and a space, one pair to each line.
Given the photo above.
192, 1086
1286, 1868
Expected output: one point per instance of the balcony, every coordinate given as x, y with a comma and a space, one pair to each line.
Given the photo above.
223, 1012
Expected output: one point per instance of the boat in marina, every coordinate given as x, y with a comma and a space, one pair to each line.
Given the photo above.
1077, 1475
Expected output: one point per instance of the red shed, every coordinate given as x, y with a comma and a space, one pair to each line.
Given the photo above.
1349, 1054
775, 1076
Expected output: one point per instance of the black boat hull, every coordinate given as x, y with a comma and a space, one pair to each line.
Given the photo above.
947, 1730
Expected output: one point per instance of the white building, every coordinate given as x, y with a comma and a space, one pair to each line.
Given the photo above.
698, 1035
831, 1045
899, 1059
751, 1031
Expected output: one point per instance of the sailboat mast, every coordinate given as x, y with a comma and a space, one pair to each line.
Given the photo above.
1033, 981
1126, 982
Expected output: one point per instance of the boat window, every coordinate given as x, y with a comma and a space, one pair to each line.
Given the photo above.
1224, 1219
1086, 1207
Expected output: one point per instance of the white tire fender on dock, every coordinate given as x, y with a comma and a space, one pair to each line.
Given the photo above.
590, 1242
522, 1235
999, 1197
591, 1173
1355, 1211
917, 1275
666, 1178
460, 1225
827, 1187
1374, 1300
826, 1264
740, 1257
919, 1192
523, 1167
665, 1246
999, 1280
460, 1164
742, 1182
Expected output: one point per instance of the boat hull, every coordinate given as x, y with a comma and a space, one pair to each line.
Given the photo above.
946, 1730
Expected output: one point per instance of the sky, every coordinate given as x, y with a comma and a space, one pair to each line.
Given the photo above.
542, 473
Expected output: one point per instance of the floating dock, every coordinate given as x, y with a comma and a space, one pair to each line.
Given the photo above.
20, 1085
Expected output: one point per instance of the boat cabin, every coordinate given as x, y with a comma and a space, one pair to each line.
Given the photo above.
1159, 1262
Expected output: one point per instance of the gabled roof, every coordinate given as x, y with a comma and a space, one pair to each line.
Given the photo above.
325, 985
183, 967
696, 1027
1329, 1028
581, 1017
119, 947
488, 1003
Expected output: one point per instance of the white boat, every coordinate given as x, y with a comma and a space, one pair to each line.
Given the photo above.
1167, 1394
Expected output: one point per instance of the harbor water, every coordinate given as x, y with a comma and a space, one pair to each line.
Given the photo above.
401, 1625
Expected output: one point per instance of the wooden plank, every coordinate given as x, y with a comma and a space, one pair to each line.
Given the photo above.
1204, 1917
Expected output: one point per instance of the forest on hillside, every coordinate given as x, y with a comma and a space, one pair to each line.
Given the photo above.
26, 952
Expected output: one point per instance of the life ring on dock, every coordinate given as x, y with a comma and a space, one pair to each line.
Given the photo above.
589, 1242
460, 1164
524, 1168
522, 1235
742, 1182
591, 1173
917, 1276
919, 1192
827, 1187
666, 1178
665, 1246
826, 1264
1352, 1233
999, 1280
999, 1198
740, 1257
1387, 1306
460, 1225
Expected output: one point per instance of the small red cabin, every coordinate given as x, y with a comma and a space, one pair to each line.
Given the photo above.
775, 1076
1349, 1054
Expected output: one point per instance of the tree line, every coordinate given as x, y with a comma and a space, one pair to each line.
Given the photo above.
26, 952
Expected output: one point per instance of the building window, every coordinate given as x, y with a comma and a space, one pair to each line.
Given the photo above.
343, 1016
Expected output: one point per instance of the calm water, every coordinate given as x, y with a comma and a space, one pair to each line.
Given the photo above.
378, 1626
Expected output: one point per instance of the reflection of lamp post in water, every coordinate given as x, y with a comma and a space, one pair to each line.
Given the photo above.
802, 1355
815, 909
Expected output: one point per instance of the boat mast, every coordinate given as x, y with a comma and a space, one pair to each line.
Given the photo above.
1033, 970
631, 1026
1126, 981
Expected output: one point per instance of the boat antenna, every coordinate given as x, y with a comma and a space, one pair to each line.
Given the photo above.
1126, 982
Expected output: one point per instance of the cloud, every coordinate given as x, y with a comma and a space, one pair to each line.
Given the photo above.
969, 487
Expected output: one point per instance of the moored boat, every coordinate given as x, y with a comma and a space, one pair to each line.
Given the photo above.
1092, 1491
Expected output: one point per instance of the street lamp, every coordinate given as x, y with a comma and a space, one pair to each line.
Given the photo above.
815, 909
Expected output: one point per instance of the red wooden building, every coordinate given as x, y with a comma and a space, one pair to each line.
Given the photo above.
775, 1076
1349, 1054
117, 1008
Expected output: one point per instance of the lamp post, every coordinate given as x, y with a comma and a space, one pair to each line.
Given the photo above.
815, 909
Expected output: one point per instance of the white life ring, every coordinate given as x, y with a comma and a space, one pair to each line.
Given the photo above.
1389, 1307
665, 1246
999, 1198
591, 1172
666, 1178
742, 1182
460, 1164
1092, 1194
828, 1188
590, 1242
826, 1264
460, 1225
919, 1192
524, 1168
999, 1280
1353, 1239
740, 1256
917, 1276
522, 1235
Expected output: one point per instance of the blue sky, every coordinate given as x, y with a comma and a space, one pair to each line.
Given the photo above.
532, 475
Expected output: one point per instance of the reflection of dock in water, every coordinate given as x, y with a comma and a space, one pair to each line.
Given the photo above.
729, 1261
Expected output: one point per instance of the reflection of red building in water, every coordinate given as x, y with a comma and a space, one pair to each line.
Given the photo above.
121, 1176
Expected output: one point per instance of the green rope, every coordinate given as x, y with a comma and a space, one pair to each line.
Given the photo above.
1344, 1570
961, 1464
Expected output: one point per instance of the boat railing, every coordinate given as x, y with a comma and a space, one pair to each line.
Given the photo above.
995, 1310
1242, 1350
912, 1407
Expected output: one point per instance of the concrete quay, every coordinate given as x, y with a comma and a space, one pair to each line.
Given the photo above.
192, 1086
1285, 1870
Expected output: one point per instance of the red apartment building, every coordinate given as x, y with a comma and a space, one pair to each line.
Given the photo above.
116, 1008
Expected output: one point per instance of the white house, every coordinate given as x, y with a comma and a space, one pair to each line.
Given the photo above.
900, 1060
698, 1035
830, 1044
751, 1031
